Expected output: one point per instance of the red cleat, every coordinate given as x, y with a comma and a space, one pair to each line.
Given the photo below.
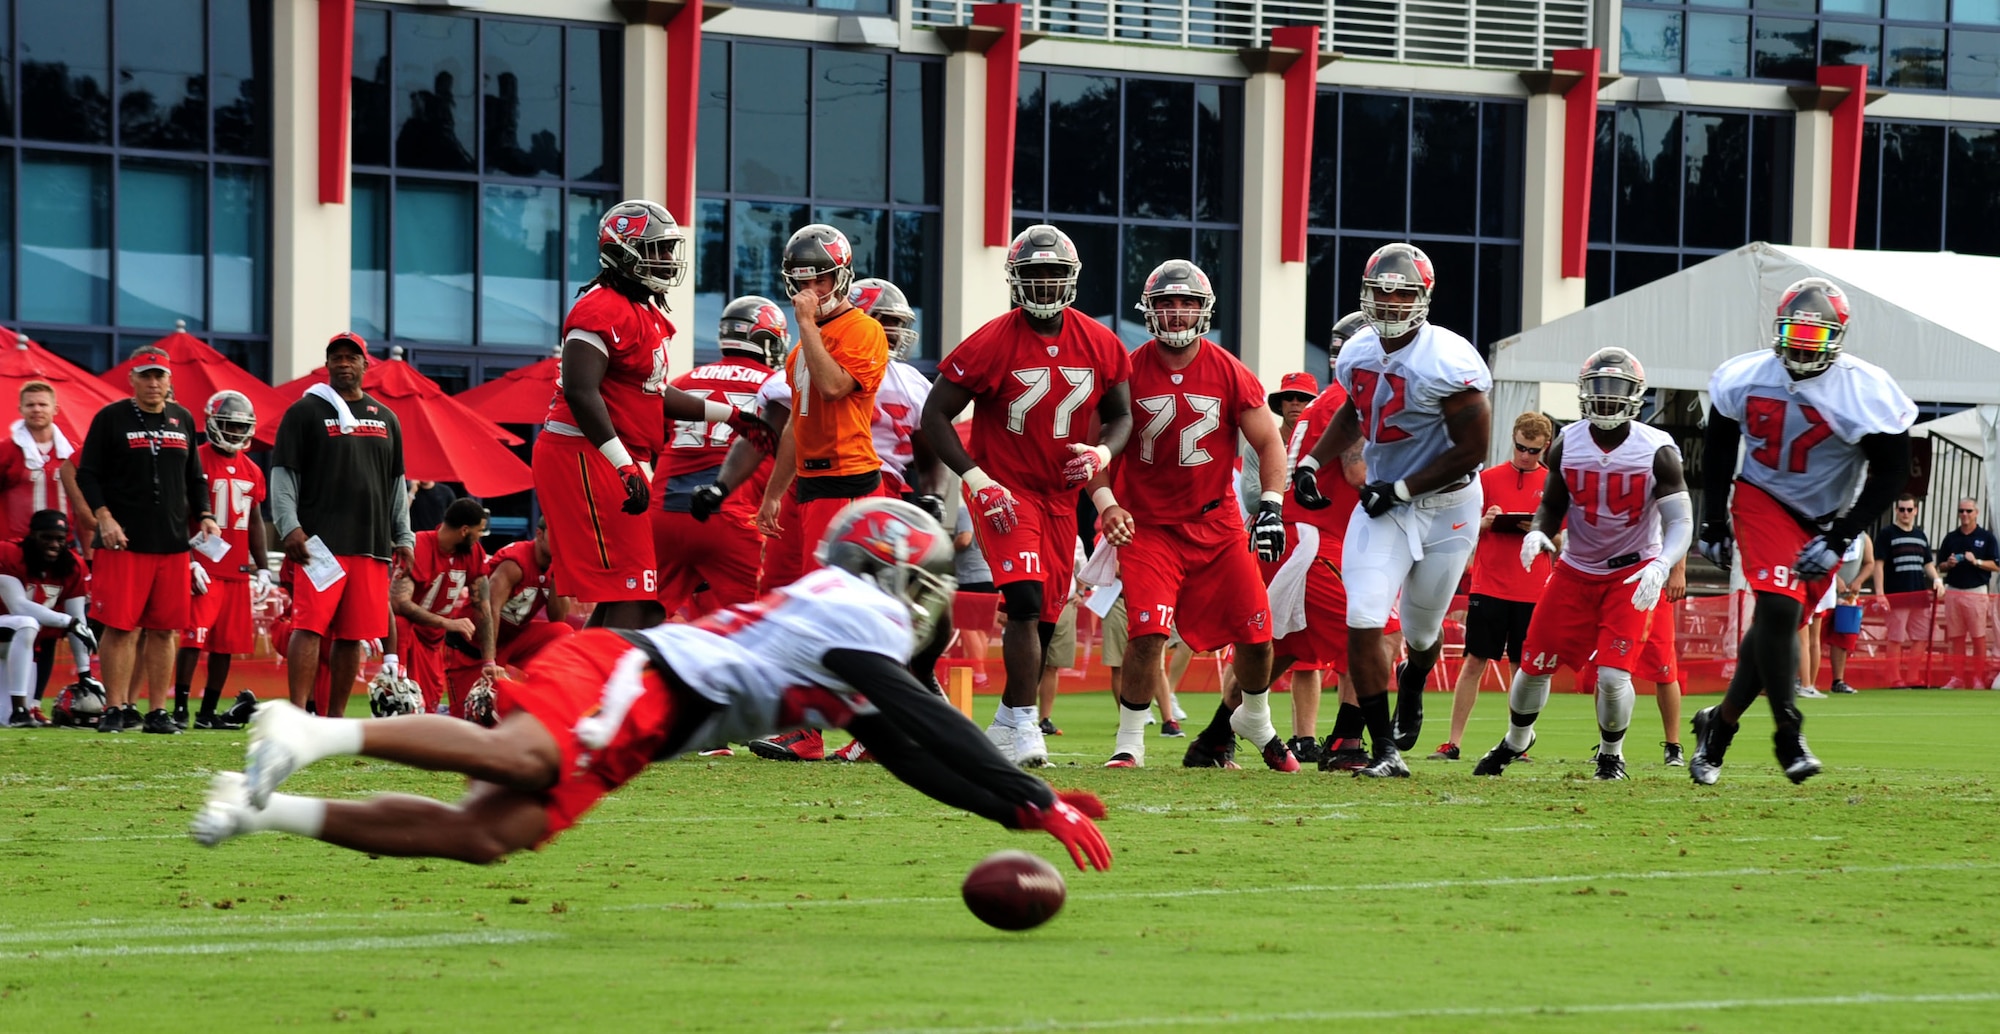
1278, 757
854, 752
799, 745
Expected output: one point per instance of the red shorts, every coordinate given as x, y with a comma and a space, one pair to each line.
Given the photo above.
353, 608
141, 590
1584, 617
423, 661
1660, 660
520, 647
602, 554
1322, 644
720, 551
783, 561
818, 515
1198, 578
1042, 547
565, 684
219, 619
1769, 539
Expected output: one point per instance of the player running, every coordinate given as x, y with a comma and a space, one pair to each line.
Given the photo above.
1621, 492
1816, 419
599, 707
691, 548
604, 429
910, 468
1042, 376
1417, 397
1181, 548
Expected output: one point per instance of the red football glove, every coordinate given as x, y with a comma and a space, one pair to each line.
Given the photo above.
1086, 462
996, 504
1068, 820
751, 428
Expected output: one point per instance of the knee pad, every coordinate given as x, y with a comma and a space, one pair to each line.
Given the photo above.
1022, 601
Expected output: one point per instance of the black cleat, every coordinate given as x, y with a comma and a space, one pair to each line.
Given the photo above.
1386, 764
1306, 749
245, 706
1338, 755
1711, 742
1671, 755
158, 722
112, 720
1610, 766
1840, 687
1203, 754
1794, 756
209, 721
181, 718
1496, 760
1445, 752
1409, 719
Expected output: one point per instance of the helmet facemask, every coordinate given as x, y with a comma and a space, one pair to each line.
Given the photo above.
1805, 344
656, 264
1394, 307
803, 277
1043, 288
230, 422
902, 336
1609, 399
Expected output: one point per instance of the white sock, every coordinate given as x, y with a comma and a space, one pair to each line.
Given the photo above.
1615, 697
1003, 716
287, 813
329, 737
1252, 718
1528, 695
1029, 717
1131, 732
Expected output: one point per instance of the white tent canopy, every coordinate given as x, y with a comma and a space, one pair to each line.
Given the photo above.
1925, 317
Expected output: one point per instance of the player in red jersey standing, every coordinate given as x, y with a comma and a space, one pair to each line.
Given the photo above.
442, 596
1820, 421
604, 427
1182, 552
1039, 373
1622, 503
219, 620
691, 547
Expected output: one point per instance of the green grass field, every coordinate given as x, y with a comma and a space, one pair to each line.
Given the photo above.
739, 894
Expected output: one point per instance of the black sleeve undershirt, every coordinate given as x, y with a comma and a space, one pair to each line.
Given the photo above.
1720, 443
1888, 474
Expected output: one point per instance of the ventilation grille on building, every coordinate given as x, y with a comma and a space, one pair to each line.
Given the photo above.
1480, 33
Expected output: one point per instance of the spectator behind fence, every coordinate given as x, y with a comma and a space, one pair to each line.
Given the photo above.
1967, 556
428, 500
337, 475
1906, 573
36, 469
144, 483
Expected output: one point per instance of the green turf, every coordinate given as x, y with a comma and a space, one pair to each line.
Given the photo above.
739, 894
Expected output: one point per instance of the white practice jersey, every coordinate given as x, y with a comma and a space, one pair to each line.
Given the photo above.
899, 404
1400, 395
1803, 437
761, 663
1614, 517
774, 389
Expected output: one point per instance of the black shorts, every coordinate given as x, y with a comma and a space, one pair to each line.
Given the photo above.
1495, 627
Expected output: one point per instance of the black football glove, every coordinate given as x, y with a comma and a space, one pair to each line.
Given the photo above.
930, 504
1378, 497
81, 630
707, 499
637, 494
1267, 533
1717, 544
1305, 488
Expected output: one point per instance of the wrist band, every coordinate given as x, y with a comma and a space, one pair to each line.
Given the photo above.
614, 450
717, 412
977, 479
1402, 490
1103, 499
1309, 463
1269, 496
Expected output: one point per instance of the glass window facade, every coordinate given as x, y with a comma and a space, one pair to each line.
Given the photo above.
1443, 173
793, 134
1927, 186
1906, 44
484, 151
135, 174
1672, 187
1137, 171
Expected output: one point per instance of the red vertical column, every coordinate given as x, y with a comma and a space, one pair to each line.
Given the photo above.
1301, 87
1003, 88
1844, 186
1579, 151
683, 108
336, 61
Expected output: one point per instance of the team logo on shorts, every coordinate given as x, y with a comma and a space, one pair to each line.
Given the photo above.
631, 583
1145, 617
1257, 620
1622, 645
1763, 574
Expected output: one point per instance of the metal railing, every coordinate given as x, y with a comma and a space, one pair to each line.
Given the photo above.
1475, 33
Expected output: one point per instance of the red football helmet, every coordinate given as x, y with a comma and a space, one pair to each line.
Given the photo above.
814, 251
755, 325
1811, 321
1042, 266
1397, 268
900, 548
640, 242
886, 302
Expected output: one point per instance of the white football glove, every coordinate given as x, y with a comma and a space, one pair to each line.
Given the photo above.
388, 663
198, 575
261, 583
1818, 558
1651, 579
1534, 546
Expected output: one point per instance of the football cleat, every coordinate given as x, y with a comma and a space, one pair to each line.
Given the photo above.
1002, 738
245, 706
1123, 760
277, 735
1841, 688
1049, 728
855, 752
1172, 730
1278, 757
181, 720
1338, 755
1445, 752
1306, 749
1202, 754
159, 723
1409, 718
1711, 742
717, 752
1496, 760
208, 721
225, 814
112, 720
1672, 755
797, 745
1794, 756
1809, 692
1610, 766
1030, 750
1387, 764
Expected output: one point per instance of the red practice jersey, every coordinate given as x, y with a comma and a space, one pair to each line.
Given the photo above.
531, 593
1311, 426
1180, 465
634, 336
444, 582
235, 487
25, 492
696, 445
1496, 566
50, 594
1037, 396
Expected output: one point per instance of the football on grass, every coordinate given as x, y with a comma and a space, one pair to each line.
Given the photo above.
1014, 890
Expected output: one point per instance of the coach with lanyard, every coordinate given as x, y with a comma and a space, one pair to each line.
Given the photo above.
337, 476
144, 483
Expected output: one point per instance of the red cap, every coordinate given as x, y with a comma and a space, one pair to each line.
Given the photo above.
1302, 384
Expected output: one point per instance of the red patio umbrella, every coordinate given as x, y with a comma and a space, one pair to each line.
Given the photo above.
199, 372
79, 394
519, 396
443, 440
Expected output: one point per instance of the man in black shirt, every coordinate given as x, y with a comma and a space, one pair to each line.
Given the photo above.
337, 476
1910, 582
1968, 556
145, 485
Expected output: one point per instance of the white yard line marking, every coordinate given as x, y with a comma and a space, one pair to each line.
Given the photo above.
1320, 888
1470, 1012
295, 947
